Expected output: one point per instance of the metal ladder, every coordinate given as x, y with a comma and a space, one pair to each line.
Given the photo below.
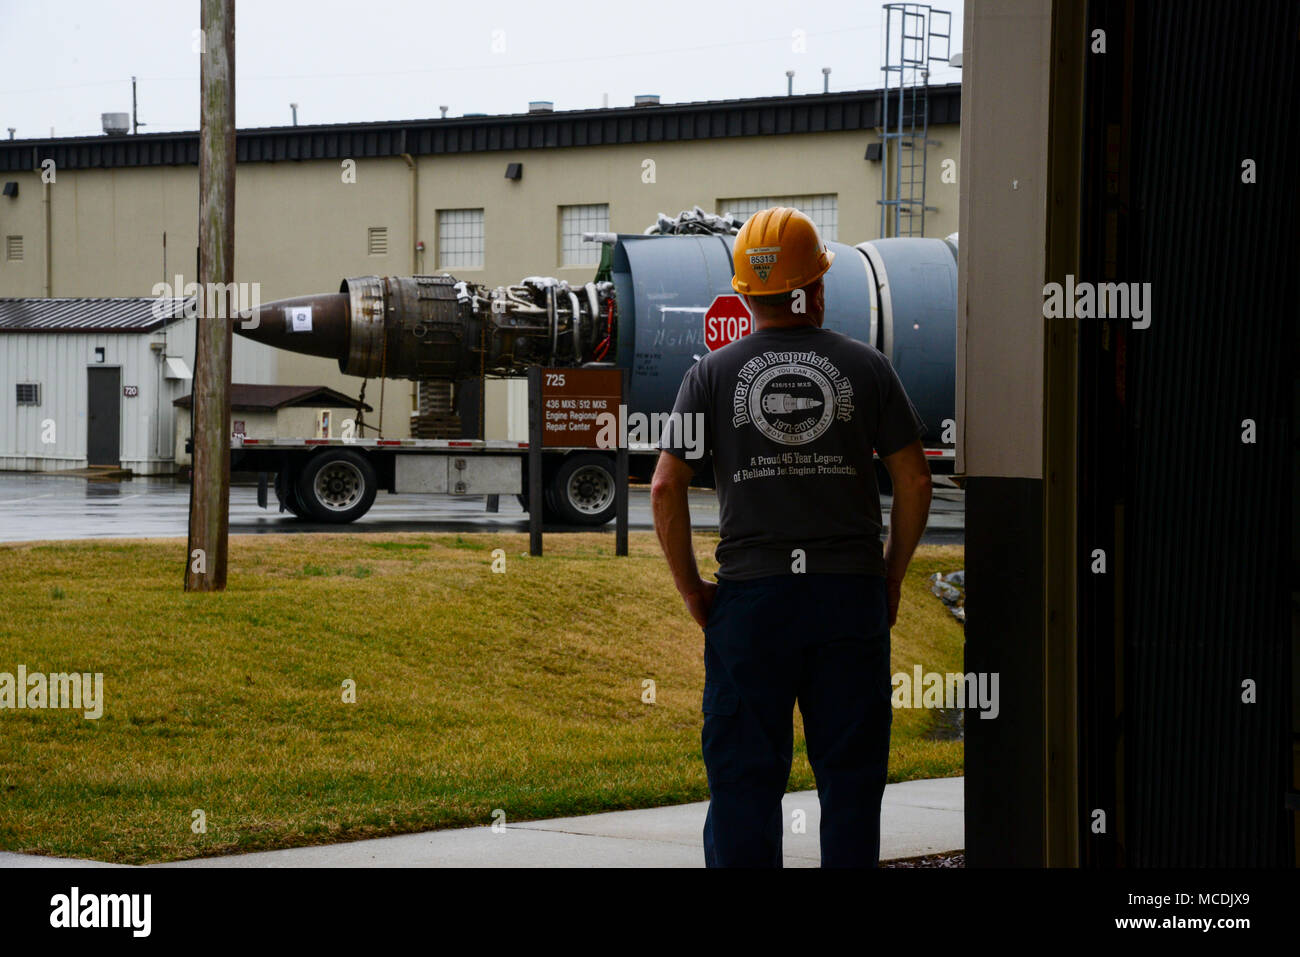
913, 32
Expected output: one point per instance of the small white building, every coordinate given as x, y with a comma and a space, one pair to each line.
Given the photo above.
90, 382
276, 412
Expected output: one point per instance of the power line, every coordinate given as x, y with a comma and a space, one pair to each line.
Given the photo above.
242, 78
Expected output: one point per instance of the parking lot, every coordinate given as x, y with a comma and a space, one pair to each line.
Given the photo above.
43, 507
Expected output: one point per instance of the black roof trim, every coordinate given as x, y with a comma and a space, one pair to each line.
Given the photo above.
672, 122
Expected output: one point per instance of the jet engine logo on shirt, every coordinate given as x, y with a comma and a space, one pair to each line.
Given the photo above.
791, 397
762, 259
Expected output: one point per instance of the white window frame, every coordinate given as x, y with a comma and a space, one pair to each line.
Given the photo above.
462, 238
575, 220
822, 209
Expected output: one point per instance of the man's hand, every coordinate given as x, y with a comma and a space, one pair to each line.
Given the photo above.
673, 524
909, 473
893, 591
699, 600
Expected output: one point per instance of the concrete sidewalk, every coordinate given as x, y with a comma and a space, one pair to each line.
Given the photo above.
917, 817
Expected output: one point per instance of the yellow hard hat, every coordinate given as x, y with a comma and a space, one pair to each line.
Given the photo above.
778, 250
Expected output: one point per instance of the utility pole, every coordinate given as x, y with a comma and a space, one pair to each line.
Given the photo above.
205, 568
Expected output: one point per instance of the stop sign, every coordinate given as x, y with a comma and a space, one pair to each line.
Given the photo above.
727, 320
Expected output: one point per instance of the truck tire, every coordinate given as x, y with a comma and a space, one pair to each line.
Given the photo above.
548, 509
337, 486
582, 490
286, 493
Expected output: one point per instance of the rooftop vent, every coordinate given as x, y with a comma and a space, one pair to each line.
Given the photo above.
646, 99
116, 124
541, 106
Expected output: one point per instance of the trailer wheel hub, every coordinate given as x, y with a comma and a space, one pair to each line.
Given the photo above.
339, 486
590, 489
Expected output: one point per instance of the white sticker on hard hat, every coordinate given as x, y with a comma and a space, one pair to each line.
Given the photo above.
762, 259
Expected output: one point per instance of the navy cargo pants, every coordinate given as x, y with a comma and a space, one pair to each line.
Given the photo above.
820, 640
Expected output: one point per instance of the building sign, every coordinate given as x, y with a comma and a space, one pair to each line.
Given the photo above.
573, 401
573, 408
130, 391
237, 429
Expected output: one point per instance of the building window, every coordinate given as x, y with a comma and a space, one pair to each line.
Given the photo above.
460, 238
377, 241
576, 220
29, 393
14, 248
821, 208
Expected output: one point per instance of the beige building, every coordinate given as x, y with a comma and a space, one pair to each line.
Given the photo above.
489, 199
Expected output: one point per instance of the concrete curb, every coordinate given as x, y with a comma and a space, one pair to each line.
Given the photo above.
917, 818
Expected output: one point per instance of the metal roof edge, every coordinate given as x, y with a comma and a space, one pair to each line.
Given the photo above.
690, 120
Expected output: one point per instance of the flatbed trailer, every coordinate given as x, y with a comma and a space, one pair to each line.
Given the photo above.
337, 480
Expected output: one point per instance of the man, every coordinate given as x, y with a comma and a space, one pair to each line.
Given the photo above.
805, 596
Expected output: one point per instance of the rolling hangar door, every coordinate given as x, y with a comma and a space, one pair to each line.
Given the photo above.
1151, 695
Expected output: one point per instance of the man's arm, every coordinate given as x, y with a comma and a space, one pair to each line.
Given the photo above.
910, 474
672, 516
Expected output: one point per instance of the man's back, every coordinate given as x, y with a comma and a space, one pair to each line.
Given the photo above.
792, 415
805, 598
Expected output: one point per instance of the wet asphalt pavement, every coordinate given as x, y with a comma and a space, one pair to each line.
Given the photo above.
37, 507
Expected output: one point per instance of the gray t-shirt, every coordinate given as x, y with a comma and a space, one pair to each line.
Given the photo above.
791, 417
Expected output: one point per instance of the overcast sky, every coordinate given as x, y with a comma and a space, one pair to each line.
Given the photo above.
64, 62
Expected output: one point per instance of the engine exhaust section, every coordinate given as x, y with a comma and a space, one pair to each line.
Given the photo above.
436, 327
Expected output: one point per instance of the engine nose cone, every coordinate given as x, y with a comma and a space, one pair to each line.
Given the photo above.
310, 325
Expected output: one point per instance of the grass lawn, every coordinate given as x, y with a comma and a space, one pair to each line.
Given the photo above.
474, 691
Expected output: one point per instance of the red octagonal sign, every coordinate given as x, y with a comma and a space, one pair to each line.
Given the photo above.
727, 320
